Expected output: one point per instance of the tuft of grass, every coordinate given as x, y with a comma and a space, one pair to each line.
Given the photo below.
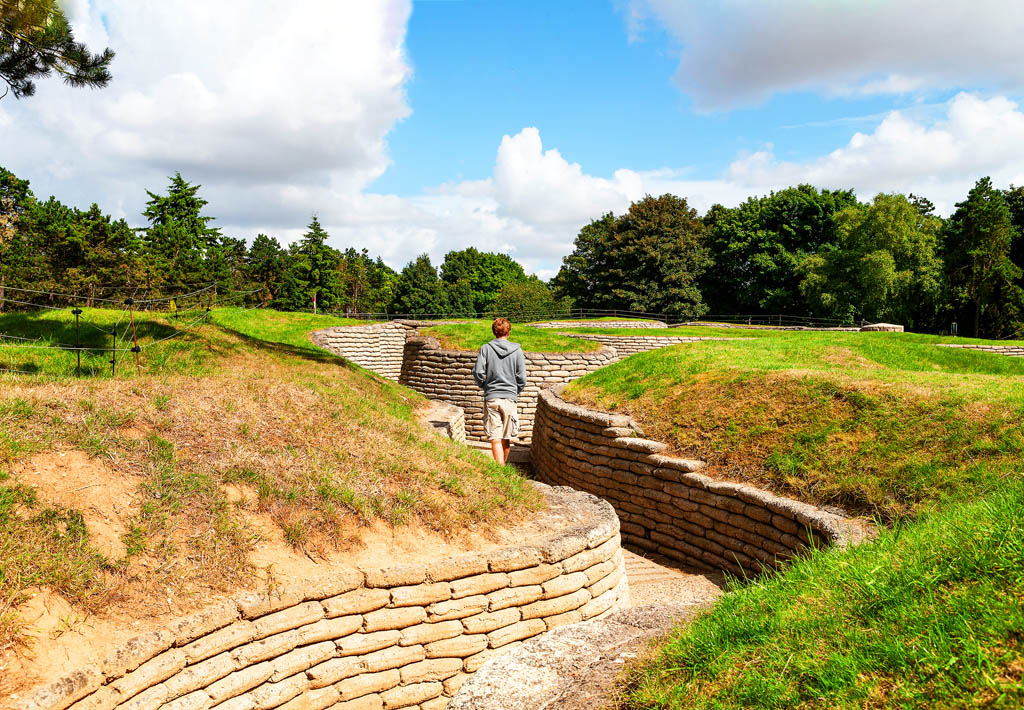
45, 546
928, 615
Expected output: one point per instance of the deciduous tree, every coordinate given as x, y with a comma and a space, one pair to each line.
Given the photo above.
649, 259
474, 278
759, 247
883, 267
529, 300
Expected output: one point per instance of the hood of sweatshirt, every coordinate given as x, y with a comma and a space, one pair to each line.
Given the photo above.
503, 348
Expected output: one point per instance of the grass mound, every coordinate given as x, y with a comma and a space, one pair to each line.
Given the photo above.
879, 425
926, 616
237, 430
473, 334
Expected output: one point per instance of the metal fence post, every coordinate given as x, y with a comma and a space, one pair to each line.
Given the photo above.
78, 341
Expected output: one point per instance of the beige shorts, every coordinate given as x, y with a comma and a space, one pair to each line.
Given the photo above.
501, 419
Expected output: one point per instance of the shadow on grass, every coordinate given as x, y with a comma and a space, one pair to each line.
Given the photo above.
57, 347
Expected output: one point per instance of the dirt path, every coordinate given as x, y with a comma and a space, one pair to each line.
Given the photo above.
657, 581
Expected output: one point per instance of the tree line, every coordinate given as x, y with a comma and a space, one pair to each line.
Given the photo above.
821, 253
799, 251
49, 247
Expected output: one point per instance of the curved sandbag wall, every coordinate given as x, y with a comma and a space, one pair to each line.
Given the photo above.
626, 345
402, 636
664, 505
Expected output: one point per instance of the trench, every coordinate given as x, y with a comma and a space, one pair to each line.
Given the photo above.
653, 579
652, 536
680, 532
681, 528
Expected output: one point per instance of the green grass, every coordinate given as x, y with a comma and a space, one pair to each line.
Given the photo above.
277, 326
926, 440
882, 425
169, 343
927, 616
473, 334
44, 546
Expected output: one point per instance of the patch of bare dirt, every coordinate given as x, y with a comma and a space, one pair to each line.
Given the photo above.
71, 479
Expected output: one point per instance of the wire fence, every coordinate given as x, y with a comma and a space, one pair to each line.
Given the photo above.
186, 310
778, 320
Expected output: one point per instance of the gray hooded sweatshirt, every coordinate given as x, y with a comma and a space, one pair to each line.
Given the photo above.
500, 370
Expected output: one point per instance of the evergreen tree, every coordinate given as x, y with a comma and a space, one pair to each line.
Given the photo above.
226, 267
312, 273
179, 237
111, 254
419, 291
16, 200
981, 276
383, 281
36, 40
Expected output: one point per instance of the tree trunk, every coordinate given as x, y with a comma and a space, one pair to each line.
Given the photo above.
977, 316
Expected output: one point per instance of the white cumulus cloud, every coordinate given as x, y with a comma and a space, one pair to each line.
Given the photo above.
939, 160
282, 110
736, 52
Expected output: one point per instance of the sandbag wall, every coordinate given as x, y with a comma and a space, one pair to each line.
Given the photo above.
1008, 350
401, 637
664, 506
378, 347
447, 375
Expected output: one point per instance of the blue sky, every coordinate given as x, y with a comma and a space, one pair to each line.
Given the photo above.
485, 68
426, 126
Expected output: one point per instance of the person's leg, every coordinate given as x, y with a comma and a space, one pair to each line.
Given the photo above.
506, 446
498, 450
492, 428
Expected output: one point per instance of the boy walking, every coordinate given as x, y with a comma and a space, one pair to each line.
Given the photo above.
501, 372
